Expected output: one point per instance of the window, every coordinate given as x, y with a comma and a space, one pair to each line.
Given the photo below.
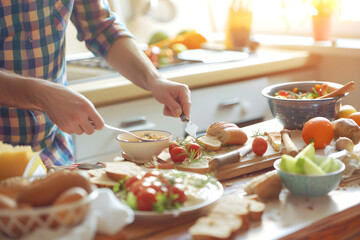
294, 17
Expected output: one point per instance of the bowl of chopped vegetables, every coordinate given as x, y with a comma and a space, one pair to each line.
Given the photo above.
294, 103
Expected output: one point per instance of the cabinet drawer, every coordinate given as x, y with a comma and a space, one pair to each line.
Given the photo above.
134, 115
236, 102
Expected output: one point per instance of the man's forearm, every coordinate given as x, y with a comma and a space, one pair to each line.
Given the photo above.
125, 57
18, 91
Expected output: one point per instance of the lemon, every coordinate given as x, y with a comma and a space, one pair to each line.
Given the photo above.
345, 111
157, 37
178, 48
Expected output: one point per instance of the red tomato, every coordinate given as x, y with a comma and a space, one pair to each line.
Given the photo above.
146, 199
136, 187
172, 145
154, 173
177, 189
178, 154
259, 146
193, 149
130, 181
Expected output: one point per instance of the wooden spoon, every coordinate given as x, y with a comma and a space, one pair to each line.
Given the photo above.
340, 91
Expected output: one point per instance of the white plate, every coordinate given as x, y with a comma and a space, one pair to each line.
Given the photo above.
209, 194
212, 56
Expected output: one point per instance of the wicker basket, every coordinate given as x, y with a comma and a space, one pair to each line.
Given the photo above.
19, 222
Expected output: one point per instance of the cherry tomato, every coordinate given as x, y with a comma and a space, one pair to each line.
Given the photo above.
194, 150
146, 199
178, 154
172, 145
177, 189
130, 181
154, 173
259, 146
136, 187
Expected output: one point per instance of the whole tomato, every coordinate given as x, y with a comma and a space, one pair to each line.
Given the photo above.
194, 150
146, 199
259, 146
178, 154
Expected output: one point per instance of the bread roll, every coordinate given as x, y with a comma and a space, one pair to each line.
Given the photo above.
11, 187
7, 202
227, 133
266, 186
43, 192
70, 196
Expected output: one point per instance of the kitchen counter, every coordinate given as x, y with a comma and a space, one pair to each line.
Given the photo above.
264, 62
334, 216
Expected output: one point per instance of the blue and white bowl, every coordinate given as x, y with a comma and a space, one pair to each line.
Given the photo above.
310, 185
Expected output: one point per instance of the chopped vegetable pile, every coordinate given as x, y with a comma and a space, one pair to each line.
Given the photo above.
317, 91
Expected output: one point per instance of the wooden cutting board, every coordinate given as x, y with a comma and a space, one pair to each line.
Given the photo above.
251, 162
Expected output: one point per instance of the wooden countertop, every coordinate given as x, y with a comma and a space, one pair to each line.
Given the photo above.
262, 63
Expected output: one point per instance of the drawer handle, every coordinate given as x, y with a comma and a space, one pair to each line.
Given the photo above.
133, 122
230, 103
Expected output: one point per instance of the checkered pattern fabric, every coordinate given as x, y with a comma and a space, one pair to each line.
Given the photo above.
32, 43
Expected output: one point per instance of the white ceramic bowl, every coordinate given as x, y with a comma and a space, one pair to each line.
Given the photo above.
141, 152
310, 185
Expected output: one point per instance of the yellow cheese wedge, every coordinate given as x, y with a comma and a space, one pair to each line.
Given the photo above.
13, 160
274, 139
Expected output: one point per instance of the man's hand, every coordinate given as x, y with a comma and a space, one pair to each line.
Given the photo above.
174, 96
69, 110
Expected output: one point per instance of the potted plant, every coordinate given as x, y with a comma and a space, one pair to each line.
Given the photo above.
321, 21
321, 11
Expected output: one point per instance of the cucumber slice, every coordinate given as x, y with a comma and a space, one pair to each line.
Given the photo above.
308, 151
287, 163
310, 167
326, 165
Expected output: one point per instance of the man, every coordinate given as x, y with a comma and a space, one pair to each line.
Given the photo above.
35, 107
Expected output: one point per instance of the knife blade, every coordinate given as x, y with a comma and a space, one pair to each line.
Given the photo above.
191, 128
228, 158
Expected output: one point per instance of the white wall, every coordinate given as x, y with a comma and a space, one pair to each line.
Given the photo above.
342, 70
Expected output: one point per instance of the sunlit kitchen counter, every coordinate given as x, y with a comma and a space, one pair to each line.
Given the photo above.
114, 89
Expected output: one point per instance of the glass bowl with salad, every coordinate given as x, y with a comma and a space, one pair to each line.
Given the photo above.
294, 103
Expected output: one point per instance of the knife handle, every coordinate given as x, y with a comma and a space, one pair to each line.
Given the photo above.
228, 158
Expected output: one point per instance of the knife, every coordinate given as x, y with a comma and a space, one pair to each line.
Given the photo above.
228, 158
191, 128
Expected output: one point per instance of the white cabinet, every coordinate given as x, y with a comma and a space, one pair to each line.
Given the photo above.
235, 102
133, 115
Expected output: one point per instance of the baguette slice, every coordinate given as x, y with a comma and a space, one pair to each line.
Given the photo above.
122, 169
211, 143
256, 210
227, 133
100, 179
206, 228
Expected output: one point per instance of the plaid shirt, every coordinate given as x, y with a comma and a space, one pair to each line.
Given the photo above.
32, 43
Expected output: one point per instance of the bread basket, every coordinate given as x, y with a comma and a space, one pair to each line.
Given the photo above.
19, 222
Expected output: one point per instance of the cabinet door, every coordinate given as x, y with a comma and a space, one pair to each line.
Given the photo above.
134, 115
236, 102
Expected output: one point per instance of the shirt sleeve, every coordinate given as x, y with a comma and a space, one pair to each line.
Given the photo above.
97, 25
